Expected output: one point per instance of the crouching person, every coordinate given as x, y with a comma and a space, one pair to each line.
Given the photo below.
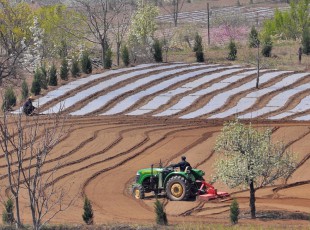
28, 108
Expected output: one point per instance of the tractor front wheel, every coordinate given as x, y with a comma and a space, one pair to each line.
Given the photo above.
138, 191
177, 188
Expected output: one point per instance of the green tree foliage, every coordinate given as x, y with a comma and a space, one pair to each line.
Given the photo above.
44, 77
75, 68
36, 83
125, 55
289, 24
198, 48
253, 38
143, 23
108, 59
64, 69
88, 215
9, 99
8, 212
53, 76
157, 51
234, 211
267, 47
250, 159
86, 63
161, 217
16, 20
232, 55
25, 90
306, 41
53, 19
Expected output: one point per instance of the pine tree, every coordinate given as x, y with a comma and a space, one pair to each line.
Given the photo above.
234, 211
25, 90
161, 217
108, 59
75, 68
253, 38
306, 41
125, 55
64, 69
157, 47
53, 76
88, 215
198, 48
36, 83
232, 55
44, 77
267, 47
86, 63
9, 100
8, 214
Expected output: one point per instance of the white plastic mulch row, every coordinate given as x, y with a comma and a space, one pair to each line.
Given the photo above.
219, 100
302, 106
189, 99
163, 98
131, 100
280, 100
62, 90
103, 100
103, 85
250, 99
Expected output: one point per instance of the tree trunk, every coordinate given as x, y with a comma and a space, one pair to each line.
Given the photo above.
118, 47
18, 222
258, 66
102, 52
252, 200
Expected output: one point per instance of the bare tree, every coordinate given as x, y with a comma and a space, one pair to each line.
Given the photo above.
99, 18
28, 143
14, 158
120, 28
173, 7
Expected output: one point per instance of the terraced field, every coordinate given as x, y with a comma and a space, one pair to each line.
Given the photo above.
126, 119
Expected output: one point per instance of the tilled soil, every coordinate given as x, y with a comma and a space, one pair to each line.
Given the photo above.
100, 156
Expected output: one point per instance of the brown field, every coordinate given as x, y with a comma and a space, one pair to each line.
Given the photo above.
100, 155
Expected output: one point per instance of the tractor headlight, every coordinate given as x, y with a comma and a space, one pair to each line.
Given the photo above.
137, 177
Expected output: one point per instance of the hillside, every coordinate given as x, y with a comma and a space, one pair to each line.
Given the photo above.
127, 119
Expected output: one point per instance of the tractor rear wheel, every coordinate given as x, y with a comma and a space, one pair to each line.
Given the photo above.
138, 191
178, 188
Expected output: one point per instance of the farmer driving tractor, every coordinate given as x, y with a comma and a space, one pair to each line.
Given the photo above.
182, 164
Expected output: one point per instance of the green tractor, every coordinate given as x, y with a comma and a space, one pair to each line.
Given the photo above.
176, 185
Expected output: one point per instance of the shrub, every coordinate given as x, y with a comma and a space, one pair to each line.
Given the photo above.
306, 41
234, 211
125, 55
35, 87
36, 83
8, 214
253, 38
108, 59
161, 217
86, 63
53, 76
267, 47
232, 55
75, 68
44, 77
88, 215
198, 48
9, 99
64, 70
157, 51
25, 90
